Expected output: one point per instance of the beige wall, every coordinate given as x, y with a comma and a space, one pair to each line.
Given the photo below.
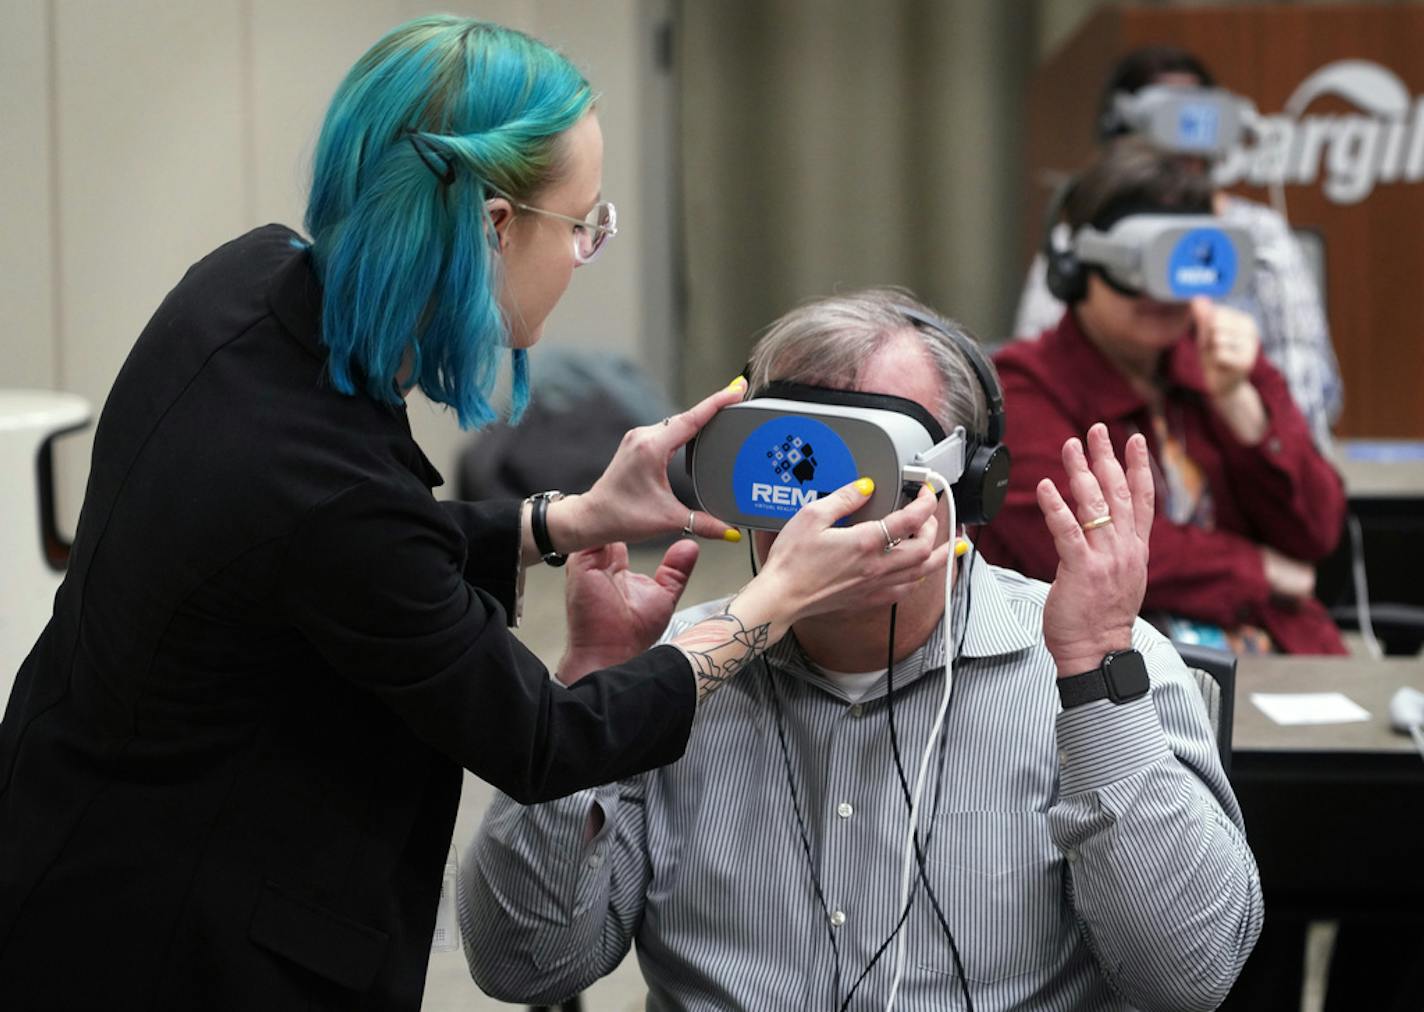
136, 136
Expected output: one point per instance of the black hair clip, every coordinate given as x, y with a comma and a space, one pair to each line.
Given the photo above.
430, 158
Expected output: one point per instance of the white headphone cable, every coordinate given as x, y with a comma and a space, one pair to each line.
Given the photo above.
948, 629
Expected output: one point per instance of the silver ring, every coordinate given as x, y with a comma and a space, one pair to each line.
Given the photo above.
1097, 522
890, 542
687, 527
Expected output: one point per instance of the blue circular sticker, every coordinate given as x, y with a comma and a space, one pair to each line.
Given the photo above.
1202, 263
787, 463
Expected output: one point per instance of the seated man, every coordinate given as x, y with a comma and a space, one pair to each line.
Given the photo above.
1087, 857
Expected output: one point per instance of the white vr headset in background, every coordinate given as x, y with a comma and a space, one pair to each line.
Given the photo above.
1192, 121
1170, 257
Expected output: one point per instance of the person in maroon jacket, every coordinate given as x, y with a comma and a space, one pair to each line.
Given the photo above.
1245, 503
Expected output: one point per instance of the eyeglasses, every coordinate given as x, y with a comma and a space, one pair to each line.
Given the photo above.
590, 234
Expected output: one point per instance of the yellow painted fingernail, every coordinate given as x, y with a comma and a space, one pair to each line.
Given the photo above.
865, 486
739, 384
960, 547
732, 534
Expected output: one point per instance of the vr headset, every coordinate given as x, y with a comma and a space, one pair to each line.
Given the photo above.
757, 463
1168, 257
1192, 121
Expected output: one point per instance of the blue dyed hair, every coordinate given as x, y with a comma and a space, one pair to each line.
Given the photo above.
433, 118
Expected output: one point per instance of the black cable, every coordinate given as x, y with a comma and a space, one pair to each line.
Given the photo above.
879, 952
751, 551
905, 789
895, 748
953, 661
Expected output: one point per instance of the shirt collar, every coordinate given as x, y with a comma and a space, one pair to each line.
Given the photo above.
993, 630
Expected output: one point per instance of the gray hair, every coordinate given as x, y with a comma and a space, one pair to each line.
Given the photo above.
825, 342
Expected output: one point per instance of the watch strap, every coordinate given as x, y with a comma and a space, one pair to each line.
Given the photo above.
539, 527
1088, 687
1121, 677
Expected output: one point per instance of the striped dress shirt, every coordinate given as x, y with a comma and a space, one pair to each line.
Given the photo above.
1084, 859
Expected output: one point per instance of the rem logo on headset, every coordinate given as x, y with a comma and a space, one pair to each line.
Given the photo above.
1202, 263
787, 463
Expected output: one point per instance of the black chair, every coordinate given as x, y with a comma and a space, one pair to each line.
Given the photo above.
1215, 671
1378, 553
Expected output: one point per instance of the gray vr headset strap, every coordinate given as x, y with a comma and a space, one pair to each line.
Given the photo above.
1123, 261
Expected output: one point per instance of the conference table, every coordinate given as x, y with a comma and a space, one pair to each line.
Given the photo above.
1332, 814
1380, 469
1332, 810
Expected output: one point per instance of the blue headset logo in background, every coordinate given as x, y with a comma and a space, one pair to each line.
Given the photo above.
787, 463
1197, 126
1203, 263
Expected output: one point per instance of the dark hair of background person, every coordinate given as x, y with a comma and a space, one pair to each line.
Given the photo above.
1136, 71
1133, 177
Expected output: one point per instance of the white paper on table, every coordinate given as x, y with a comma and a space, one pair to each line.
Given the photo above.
1309, 707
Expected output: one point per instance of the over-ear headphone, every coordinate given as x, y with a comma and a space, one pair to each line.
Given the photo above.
1111, 122
1064, 273
980, 490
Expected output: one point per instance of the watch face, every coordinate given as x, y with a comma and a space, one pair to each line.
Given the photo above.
1126, 675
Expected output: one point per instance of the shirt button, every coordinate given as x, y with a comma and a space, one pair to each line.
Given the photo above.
844, 810
1062, 757
1273, 444
1071, 855
856, 710
837, 918
595, 860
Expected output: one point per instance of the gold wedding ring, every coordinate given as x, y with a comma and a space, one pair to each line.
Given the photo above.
1097, 522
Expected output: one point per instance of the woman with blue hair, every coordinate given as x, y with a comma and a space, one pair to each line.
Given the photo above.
233, 758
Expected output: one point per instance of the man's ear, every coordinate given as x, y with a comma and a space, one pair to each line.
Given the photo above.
501, 215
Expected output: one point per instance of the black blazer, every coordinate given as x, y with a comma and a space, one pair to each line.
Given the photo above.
230, 767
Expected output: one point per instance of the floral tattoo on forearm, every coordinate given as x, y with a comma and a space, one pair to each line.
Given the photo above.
719, 647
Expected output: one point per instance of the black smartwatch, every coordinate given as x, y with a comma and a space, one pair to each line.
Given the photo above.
1122, 677
539, 526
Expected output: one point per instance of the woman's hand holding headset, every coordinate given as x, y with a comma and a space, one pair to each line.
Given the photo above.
813, 568
632, 500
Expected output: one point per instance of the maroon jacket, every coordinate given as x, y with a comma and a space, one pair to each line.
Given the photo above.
1280, 492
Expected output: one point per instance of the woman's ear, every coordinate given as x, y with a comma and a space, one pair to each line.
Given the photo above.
501, 215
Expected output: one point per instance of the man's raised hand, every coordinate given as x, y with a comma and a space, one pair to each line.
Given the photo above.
1102, 550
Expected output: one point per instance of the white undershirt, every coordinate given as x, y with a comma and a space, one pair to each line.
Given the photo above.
854, 684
